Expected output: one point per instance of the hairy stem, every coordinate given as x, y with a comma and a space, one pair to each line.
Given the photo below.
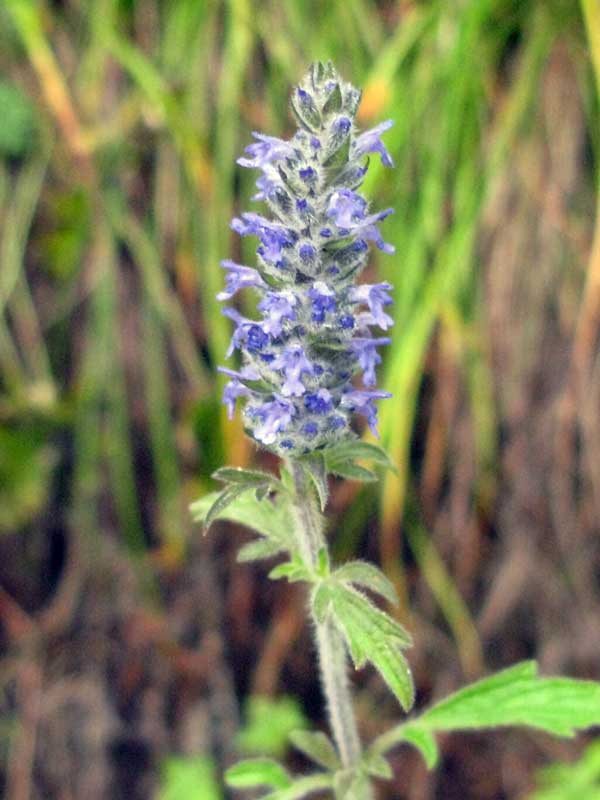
330, 646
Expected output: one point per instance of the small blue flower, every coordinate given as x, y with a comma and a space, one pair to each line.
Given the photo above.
239, 277
364, 403
274, 417
292, 361
367, 356
265, 151
277, 306
370, 142
376, 296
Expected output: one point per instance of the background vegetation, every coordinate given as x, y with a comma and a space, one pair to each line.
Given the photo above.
125, 640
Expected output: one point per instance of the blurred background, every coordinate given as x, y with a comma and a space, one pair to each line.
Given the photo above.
136, 659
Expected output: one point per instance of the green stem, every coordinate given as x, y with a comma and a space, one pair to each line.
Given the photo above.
330, 646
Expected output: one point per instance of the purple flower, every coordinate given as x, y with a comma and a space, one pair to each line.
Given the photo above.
277, 306
265, 151
275, 416
370, 142
273, 237
363, 402
247, 333
238, 277
367, 356
346, 207
376, 296
292, 361
231, 392
323, 300
318, 402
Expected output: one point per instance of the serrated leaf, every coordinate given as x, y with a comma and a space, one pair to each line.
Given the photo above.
238, 475
368, 575
321, 600
317, 747
334, 101
515, 696
303, 787
257, 772
271, 518
259, 549
223, 499
314, 466
374, 636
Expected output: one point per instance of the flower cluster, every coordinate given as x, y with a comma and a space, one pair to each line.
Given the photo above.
299, 360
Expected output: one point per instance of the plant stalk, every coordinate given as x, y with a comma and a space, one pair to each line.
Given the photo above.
330, 645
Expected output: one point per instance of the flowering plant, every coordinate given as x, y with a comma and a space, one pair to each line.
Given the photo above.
307, 365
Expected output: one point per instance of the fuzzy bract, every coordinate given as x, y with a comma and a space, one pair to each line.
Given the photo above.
310, 354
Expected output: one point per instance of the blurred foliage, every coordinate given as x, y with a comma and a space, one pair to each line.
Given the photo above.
18, 121
26, 463
189, 779
577, 781
268, 724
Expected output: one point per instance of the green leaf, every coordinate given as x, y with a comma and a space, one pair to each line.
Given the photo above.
269, 722
353, 472
189, 779
424, 741
259, 549
377, 765
252, 477
323, 564
257, 772
368, 575
314, 466
270, 517
374, 636
357, 449
514, 696
518, 696
317, 747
